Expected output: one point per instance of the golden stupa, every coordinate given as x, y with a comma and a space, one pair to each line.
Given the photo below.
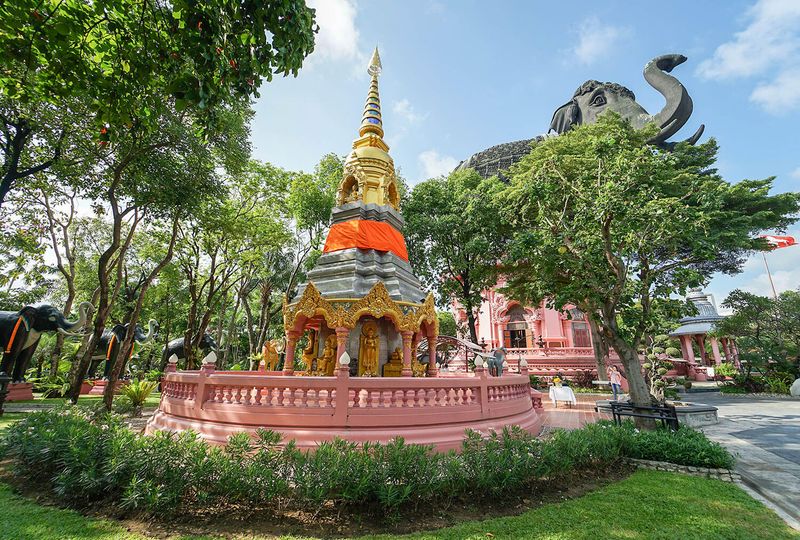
362, 288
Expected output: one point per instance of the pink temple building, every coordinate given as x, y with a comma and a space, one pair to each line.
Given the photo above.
551, 341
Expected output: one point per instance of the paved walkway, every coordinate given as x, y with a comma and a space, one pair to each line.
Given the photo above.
764, 435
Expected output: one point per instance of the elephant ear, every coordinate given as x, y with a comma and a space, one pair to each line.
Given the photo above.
565, 117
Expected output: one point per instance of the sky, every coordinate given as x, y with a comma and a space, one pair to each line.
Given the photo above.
464, 75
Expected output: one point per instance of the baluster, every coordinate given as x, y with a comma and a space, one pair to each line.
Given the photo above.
304, 397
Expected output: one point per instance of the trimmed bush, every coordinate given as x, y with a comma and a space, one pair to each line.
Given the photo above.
87, 458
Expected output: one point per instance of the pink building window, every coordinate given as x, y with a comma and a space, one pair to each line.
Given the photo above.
580, 334
516, 331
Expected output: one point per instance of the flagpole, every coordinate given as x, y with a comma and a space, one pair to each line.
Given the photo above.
769, 274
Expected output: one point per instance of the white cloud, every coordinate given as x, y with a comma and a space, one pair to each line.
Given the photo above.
435, 8
596, 40
769, 46
780, 95
338, 35
770, 39
795, 173
434, 164
405, 110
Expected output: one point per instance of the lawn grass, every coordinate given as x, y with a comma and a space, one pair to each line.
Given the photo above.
647, 505
152, 400
9, 418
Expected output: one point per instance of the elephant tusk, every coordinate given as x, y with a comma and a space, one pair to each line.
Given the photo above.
693, 139
69, 334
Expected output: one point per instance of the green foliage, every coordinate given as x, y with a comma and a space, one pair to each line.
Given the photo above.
126, 58
655, 368
726, 369
137, 392
631, 501
447, 324
535, 381
86, 458
455, 237
767, 331
583, 378
685, 446
606, 222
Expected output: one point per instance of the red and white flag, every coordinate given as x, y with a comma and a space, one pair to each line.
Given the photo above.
778, 242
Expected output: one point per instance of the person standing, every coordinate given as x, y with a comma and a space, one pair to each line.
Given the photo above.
615, 377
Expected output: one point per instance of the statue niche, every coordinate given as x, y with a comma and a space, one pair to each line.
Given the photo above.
394, 367
369, 347
327, 362
391, 196
310, 352
350, 191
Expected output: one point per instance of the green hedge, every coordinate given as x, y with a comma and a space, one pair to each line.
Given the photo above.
88, 460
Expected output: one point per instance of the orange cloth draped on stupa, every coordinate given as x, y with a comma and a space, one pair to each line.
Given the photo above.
366, 234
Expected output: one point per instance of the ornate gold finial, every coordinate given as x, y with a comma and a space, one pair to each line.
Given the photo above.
371, 121
374, 68
369, 170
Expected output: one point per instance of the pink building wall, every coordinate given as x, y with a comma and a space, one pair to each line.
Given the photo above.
557, 329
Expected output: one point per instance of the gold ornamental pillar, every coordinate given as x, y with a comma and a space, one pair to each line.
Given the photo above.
407, 336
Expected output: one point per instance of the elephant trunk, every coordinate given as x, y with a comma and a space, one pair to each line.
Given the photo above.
679, 105
151, 332
71, 329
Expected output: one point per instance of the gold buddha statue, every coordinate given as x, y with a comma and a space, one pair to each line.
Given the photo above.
327, 362
368, 350
310, 353
394, 367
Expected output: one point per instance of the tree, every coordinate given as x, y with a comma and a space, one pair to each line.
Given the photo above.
611, 224
456, 238
767, 330
225, 244
123, 59
309, 203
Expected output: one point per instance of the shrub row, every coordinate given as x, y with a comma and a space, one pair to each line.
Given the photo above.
88, 460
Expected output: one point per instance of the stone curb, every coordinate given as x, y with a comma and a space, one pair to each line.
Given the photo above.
786, 397
726, 475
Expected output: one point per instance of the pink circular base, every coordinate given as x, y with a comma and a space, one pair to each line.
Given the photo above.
310, 410
443, 437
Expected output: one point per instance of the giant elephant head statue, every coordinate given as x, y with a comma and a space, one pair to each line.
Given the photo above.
20, 332
593, 98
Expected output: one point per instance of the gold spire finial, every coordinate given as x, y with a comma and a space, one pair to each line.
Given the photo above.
374, 68
371, 121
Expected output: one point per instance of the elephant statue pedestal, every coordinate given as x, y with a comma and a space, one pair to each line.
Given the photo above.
98, 387
20, 392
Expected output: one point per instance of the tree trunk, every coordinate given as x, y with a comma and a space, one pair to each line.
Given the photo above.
637, 387
600, 348
231, 330
58, 349
126, 347
473, 334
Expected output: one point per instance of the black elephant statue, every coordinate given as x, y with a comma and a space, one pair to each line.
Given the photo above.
20, 332
591, 99
108, 347
175, 347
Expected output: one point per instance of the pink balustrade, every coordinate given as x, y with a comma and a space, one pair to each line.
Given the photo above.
433, 410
